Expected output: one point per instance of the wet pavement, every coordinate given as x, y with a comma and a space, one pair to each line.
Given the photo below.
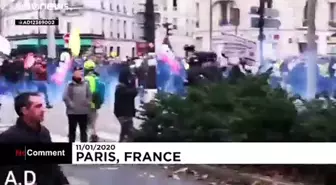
125, 175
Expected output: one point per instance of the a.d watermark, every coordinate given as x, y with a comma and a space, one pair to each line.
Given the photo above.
42, 6
29, 178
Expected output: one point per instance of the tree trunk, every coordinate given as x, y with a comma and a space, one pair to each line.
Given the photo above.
311, 51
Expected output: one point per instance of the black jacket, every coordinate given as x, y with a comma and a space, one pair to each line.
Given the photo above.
13, 72
46, 174
124, 101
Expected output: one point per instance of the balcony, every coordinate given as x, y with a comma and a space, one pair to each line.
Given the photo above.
332, 24
76, 5
141, 7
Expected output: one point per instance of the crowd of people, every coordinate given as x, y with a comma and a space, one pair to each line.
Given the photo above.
88, 84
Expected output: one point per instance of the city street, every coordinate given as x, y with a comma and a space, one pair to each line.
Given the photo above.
108, 130
122, 175
56, 121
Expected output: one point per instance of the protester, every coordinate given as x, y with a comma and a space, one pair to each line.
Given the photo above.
77, 98
40, 74
28, 129
97, 89
124, 107
13, 71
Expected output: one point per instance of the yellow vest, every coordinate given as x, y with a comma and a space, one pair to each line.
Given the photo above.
91, 79
324, 70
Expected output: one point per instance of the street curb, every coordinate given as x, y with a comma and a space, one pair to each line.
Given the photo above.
226, 173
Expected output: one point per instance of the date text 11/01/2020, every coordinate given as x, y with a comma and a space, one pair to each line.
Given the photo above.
36, 22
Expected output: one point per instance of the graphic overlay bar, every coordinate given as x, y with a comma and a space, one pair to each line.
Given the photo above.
36, 22
203, 153
55, 153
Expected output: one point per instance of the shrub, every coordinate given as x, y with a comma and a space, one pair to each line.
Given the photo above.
243, 110
247, 110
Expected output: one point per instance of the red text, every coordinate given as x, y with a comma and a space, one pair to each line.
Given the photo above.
20, 153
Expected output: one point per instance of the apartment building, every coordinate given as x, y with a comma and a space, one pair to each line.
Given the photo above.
288, 39
107, 22
181, 14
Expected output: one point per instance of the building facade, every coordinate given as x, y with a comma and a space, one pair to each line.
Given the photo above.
288, 39
181, 14
107, 22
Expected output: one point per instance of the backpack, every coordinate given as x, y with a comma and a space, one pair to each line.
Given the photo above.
98, 97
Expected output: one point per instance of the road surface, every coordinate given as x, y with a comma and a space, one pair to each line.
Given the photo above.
124, 175
108, 127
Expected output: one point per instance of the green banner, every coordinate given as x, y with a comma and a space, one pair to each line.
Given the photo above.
59, 42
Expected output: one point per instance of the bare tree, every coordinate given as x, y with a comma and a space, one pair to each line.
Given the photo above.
311, 49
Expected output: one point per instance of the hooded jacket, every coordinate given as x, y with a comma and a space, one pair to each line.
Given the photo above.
77, 98
124, 96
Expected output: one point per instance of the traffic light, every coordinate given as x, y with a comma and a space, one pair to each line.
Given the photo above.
169, 27
149, 24
267, 17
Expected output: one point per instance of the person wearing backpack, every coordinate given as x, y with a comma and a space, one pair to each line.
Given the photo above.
77, 98
124, 104
97, 89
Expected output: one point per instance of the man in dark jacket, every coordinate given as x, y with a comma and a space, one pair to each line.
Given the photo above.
124, 107
41, 78
13, 71
28, 129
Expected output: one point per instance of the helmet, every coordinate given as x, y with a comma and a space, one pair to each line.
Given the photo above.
89, 65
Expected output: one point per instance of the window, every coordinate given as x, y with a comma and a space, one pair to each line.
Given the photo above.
305, 15
111, 49
174, 5
68, 27
165, 5
197, 10
133, 30
125, 10
187, 26
102, 4
111, 28
225, 7
118, 29
332, 12
118, 51
133, 51
125, 29
175, 22
118, 8
165, 20
103, 25
111, 6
